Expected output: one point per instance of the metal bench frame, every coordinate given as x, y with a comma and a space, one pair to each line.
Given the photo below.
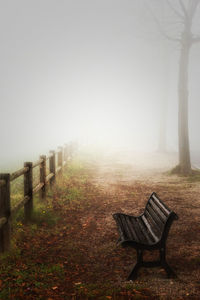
145, 238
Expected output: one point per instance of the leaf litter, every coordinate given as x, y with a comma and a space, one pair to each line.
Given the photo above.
77, 257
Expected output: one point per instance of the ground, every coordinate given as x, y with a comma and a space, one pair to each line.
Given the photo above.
71, 252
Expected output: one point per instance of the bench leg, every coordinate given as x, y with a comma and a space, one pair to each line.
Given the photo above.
140, 263
133, 274
164, 264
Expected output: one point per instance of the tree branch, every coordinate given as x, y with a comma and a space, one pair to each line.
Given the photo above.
193, 7
183, 8
177, 13
168, 37
160, 28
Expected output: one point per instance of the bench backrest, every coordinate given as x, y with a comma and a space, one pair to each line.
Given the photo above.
158, 216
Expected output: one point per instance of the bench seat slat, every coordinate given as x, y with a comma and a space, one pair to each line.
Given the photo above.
153, 234
158, 221
161, 205
158, 212
133, 222
150, 238
127, 229
136, 236
120, 226
156, 229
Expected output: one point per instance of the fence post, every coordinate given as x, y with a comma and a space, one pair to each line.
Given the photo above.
43, 177
52, 166
65, 154
5, 212
60, 159
28, 191
71, 150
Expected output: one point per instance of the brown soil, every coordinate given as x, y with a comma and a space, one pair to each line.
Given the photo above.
126, 187
77, 258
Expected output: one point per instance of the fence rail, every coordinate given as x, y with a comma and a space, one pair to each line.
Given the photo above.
63, 154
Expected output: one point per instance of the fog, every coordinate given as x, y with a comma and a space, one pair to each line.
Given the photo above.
93, 71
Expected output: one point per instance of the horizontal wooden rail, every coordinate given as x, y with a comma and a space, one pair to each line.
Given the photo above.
56, 160
51, 175
18, 173
37, 188
37, 163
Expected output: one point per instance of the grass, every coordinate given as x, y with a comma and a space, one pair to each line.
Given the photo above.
194, 176
19, 272
30, 277
42, 213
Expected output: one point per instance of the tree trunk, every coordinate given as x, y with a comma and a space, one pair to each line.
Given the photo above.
184, 150
162, 138
162, 141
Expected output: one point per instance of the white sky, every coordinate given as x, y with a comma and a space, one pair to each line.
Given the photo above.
84, 70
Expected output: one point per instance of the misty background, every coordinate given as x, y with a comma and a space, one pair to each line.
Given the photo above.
94, 71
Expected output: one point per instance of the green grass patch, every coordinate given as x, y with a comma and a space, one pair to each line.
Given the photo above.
29, 277
75, 194
43, 213
194, 176
44, 216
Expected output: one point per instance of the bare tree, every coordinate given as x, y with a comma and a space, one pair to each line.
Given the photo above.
164, 87
162, 138
182, 15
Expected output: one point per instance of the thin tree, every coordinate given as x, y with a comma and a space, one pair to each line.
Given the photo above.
183, 12
164, 87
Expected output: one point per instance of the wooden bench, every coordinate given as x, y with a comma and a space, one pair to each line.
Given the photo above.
147, 231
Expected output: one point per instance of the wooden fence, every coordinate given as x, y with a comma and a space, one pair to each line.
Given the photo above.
57, 160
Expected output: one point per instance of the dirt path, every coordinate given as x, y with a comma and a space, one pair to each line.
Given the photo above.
128, 187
